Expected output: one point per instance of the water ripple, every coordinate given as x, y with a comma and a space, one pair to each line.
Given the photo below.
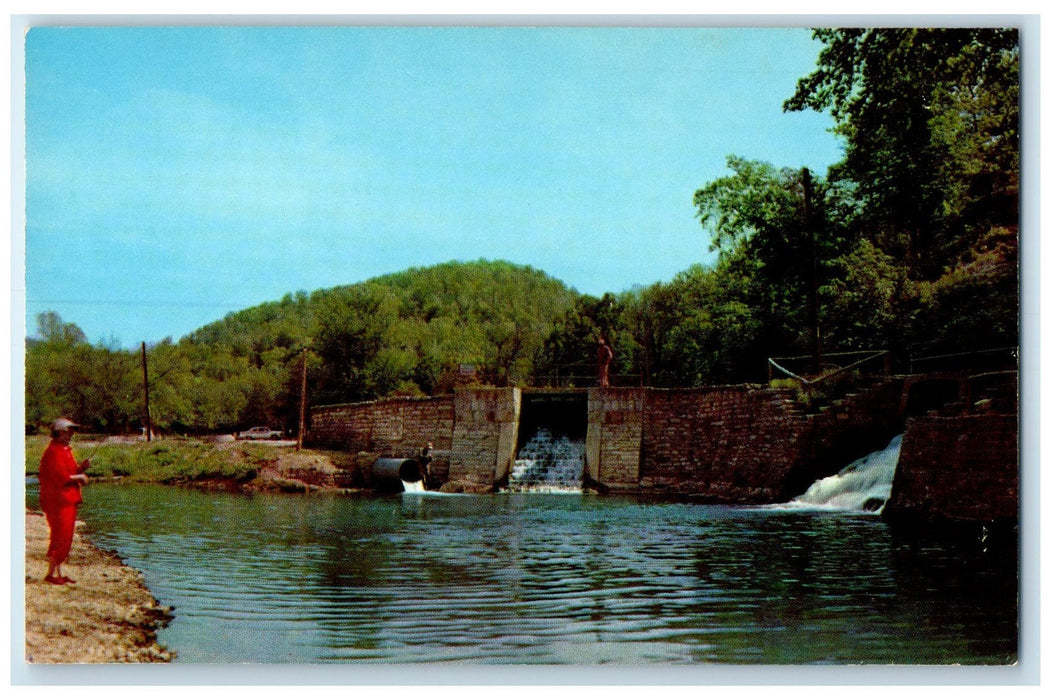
537, 579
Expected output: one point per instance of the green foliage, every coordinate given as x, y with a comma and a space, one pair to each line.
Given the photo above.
931, 120
774, 240
568, 356
415, 328
975, 304
699, 329
867, 300
34, 448
975, 128
405, 333
67, 376
52, 329
801, 394
756, 205
930, 117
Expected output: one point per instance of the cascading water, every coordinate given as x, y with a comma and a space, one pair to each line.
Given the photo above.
863, 485
548, 464
413, 486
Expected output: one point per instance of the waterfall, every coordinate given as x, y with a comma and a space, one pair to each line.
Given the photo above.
863, 485
550, 464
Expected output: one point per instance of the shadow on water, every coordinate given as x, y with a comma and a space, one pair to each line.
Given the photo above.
970, 576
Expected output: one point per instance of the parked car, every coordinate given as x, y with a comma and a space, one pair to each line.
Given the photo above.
260, 433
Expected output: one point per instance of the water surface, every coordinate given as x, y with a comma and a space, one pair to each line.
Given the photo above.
551, 579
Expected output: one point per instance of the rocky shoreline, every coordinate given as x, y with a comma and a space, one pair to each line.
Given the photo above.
107, 616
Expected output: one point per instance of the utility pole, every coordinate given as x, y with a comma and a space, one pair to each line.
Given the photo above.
146, 391
808, 225
302, 404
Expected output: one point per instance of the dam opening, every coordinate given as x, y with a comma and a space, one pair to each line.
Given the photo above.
552, 437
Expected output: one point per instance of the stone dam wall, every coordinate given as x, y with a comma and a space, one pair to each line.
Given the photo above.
959, 462
397, 427
731, 444
739, 444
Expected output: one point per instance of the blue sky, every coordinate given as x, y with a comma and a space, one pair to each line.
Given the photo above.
174, 175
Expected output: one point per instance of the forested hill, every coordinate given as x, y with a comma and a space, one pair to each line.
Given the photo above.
405, 332
480, 292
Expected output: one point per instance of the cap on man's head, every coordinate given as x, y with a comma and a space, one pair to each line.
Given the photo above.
64, 424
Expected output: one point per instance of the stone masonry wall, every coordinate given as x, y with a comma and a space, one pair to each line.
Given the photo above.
732, 444
396, 427
614, 441
484, 438
741, 444
957, 468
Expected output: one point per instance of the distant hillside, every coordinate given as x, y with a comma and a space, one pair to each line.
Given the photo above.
404, 332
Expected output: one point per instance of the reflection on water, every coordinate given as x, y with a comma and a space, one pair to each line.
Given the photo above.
534, 578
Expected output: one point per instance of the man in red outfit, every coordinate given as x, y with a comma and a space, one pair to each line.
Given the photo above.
605, 357
60, 481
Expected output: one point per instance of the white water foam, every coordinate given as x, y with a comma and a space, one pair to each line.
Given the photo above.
548, 464
413, 486
863, 485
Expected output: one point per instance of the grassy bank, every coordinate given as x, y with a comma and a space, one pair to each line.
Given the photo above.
189, 461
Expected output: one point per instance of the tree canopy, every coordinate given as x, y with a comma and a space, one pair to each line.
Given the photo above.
930, 118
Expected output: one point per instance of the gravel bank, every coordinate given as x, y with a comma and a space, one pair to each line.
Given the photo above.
107, 616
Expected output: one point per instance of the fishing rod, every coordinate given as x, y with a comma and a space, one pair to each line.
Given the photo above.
91, 456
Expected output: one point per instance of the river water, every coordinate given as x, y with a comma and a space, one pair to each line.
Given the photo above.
529, 578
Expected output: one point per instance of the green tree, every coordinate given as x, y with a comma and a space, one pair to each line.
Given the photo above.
351, 332
869, 300
568, 355
409, 332
975, 126
930, 118
52, 329
699, 329
974, 305
172, 379
771, 235
59, 379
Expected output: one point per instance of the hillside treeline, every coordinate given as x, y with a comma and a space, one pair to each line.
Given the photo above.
909, 243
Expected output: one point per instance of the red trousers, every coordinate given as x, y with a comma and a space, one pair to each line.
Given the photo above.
61, 520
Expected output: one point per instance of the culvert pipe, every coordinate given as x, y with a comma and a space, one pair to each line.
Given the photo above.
390, 473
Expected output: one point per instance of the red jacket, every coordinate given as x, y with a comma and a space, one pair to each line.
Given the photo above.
56, 466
